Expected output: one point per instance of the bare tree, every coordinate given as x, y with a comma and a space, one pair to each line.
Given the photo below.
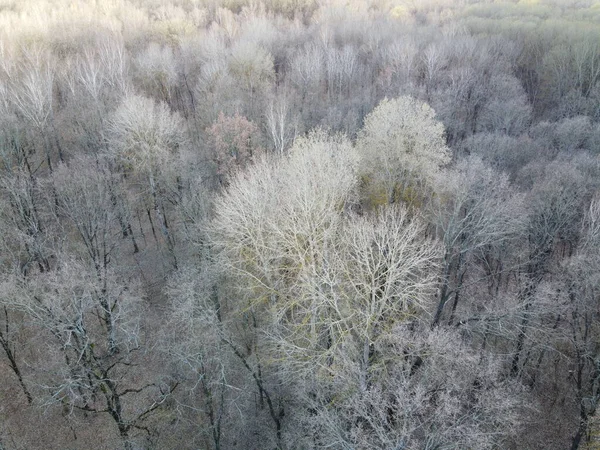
433, 60
581, 287
31, 95
252, 67
478, 210
8, 341
281, 125
432, 392
64, 306
402, 148
326, 288
277, 219
84, 198
401, 56
23, 220
157, 72
308, 71
145, 136
340, 66
235, 143
113, 59
556, 209
507, 109
504, 153
197, 347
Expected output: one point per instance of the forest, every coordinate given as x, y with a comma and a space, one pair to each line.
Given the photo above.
300, 224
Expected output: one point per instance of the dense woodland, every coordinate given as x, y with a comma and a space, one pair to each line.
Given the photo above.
298, 224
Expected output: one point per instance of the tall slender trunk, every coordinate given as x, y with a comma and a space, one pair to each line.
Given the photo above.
458, 289
514, 366
161, 219
444, 294
364, 366
10, 354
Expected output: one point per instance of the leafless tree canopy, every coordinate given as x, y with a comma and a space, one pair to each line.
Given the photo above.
299, 224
